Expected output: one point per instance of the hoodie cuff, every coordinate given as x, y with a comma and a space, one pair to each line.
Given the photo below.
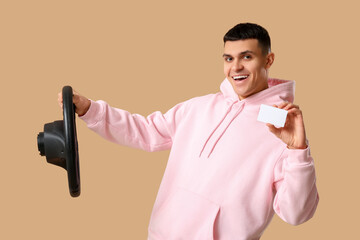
299, 156
93, 115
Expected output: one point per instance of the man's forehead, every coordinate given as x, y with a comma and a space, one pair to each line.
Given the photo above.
241, 46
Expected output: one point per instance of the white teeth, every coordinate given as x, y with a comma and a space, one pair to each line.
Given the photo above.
240, 77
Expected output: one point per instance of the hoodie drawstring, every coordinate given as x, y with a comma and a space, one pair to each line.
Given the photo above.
237, 113
222, 120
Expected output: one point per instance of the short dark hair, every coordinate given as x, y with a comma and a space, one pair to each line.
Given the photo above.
244, 31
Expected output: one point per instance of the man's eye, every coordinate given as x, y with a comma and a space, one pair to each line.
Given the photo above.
247, 57
228, 59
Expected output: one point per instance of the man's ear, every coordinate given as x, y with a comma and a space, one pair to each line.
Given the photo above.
269, 60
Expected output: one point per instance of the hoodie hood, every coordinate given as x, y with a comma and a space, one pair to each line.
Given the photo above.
279, 90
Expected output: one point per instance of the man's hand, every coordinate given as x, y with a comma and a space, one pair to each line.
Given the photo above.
82, 104
293, 133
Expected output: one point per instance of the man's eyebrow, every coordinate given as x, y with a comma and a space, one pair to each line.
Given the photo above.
242, 53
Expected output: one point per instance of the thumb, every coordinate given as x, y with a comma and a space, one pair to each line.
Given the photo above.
273, 129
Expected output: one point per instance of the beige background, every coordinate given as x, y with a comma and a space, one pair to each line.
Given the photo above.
149, 55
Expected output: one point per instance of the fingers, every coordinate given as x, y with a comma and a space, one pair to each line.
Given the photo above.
290, 107
287, 105
82, 104
60, 100
294, 111
76, 98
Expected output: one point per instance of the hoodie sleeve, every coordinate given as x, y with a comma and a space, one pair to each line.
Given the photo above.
296, 196
151, 133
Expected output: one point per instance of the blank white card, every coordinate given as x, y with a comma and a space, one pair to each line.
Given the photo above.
273, 115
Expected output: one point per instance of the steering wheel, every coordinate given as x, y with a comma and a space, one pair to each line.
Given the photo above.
59, 142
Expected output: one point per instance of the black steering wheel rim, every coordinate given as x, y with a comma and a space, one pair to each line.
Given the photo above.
71, 144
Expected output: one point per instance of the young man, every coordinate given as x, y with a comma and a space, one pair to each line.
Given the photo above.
227, 173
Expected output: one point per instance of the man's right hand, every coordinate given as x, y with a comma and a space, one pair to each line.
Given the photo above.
82, 104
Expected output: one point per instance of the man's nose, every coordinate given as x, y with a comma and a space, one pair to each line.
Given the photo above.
237, 66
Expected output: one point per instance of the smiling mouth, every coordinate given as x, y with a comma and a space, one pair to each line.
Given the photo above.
240, 77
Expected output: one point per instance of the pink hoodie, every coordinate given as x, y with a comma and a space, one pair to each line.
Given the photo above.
227, 173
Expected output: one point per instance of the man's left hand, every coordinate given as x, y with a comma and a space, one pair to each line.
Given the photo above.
293, 133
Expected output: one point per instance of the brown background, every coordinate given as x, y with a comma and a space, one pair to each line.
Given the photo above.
149, 55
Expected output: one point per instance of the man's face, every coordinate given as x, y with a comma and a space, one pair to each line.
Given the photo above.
246, 67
